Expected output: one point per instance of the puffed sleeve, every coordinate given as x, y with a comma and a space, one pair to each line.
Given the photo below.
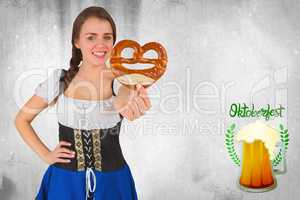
51, 87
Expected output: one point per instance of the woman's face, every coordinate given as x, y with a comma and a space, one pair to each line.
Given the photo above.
95, 41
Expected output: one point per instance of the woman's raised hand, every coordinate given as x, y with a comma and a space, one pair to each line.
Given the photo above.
132, 103
60, 154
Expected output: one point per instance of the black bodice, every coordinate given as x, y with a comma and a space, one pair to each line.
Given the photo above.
98, 149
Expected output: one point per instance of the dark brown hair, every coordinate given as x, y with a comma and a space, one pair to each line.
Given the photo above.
93, 11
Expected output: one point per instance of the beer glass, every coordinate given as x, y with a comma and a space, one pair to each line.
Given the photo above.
257, 174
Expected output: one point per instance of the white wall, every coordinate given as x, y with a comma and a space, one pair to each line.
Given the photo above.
224, 51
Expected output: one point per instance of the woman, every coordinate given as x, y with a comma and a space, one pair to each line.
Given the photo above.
88, 162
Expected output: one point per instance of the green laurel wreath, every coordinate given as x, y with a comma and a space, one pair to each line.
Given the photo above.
229, 142
284, 137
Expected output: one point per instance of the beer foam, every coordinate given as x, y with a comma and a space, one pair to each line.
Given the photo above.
133, 79
260, 131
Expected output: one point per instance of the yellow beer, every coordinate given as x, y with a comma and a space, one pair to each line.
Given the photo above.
256, 166
259, 144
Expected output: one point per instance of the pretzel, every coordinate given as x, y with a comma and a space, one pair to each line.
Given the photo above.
145, 77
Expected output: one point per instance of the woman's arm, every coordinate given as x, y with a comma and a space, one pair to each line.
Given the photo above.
23, 124
23, 121
133, 102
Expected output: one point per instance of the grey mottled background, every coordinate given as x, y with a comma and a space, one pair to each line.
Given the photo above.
219, 52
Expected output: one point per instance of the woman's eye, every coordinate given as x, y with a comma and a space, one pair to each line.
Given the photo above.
91, 37
107, 37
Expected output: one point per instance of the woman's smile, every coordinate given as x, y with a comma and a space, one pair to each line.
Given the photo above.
100, 55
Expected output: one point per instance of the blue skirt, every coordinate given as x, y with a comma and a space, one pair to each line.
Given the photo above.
62, 184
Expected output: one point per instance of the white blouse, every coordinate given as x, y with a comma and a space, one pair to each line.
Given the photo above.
76, 113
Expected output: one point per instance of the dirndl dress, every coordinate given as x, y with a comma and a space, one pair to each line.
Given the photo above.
98, 170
